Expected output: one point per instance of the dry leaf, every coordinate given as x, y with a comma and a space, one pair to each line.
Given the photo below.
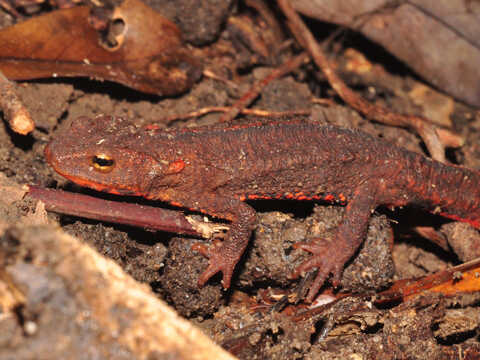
145, 53
464, 278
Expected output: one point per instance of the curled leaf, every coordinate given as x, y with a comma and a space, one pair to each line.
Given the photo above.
142, 49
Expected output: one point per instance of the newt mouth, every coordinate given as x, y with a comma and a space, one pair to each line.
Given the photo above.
95, 185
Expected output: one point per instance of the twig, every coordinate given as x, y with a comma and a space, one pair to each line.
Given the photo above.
17, 115
8, 7
323, 101
211, 74
122, 213
374, 112
449, 138
227, 109
269, 17
255, 90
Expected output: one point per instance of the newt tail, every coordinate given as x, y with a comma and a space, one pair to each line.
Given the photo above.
213, 170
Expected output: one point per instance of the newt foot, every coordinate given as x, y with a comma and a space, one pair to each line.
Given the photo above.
218, 260
325, 260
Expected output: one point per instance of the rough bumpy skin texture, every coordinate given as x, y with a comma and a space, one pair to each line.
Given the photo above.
213, 170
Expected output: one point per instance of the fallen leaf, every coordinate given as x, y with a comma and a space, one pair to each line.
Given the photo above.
464, 278
145, 51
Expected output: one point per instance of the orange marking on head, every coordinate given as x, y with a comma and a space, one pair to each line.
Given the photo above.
342, 197
242, 198
176, 166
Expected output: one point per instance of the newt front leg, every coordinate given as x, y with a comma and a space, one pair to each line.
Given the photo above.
224, 257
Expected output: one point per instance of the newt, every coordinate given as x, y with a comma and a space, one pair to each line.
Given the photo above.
214, 170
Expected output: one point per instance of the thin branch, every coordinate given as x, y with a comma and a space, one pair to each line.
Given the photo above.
122, 213
17, 115
228, 109
255, 90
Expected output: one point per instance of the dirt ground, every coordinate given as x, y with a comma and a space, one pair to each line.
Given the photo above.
254, 319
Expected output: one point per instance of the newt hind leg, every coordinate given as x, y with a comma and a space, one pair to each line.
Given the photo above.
330, 257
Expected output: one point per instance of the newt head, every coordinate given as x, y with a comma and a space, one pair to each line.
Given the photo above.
98, 153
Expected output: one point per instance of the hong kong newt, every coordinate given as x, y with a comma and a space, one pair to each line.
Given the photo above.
213, 170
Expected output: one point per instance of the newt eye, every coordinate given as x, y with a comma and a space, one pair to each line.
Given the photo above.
103, 163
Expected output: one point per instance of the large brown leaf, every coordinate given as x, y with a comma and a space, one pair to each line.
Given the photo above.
147, 54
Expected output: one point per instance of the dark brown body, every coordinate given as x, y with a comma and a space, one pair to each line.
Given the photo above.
212, 170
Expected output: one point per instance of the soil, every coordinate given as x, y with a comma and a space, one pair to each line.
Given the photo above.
247, 320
